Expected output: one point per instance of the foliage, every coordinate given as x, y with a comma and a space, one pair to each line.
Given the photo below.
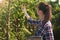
19, 27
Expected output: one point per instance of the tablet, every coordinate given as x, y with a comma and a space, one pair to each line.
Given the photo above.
34, 38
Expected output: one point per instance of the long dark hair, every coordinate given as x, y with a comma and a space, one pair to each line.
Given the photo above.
47, 11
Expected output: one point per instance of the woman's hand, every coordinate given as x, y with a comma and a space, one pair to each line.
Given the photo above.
23, 7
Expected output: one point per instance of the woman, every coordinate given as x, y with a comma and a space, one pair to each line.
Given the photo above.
44, 28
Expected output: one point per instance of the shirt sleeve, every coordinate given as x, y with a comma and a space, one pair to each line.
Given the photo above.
31, 21
49, 33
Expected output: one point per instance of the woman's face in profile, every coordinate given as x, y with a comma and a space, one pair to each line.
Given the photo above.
40, 13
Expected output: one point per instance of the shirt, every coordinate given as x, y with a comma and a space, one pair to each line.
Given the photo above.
45, 31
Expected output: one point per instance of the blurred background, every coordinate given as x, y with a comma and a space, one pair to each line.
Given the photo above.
13, 23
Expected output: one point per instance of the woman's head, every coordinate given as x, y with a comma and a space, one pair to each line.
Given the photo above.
44, 10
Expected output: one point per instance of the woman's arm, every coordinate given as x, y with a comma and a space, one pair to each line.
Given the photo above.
30, 20
49, 32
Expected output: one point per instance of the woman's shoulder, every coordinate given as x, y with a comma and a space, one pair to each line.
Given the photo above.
48, 23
